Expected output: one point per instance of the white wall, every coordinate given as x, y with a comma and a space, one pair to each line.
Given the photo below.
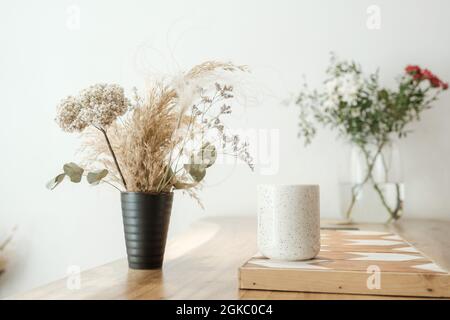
42, 59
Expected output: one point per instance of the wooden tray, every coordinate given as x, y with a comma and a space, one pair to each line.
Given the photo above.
352, 262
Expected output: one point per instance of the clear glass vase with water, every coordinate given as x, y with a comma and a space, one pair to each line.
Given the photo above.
371, 185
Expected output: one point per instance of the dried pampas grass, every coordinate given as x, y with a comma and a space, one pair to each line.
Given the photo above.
147, 139
209, 67
150, 139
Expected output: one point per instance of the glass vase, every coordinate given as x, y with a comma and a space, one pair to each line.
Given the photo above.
371, 186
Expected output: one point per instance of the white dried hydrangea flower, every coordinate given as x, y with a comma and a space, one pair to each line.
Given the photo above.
98, 105
102, 104
68, 112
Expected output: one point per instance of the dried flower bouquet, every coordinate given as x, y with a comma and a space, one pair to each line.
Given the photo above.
164, 140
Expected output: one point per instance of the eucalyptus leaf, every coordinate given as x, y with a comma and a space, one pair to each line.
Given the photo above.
183, 185
95, 177
178, 184
197, 171
74, 171
208, 154
55, 181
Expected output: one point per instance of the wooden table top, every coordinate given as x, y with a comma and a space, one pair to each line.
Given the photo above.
203, 264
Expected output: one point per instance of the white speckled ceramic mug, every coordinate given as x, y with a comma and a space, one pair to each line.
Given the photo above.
289, 221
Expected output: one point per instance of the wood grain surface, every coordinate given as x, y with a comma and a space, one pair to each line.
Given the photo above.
203, 263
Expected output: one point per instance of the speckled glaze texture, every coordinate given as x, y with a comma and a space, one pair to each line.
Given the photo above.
289, 221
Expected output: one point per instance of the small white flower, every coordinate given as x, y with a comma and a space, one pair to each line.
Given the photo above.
329, 104
356, 112
349, 88
332, 85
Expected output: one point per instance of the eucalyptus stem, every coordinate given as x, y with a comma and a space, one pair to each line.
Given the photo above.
107, 182
112, 185
114, 156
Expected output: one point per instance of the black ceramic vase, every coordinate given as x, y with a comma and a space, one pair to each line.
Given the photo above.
146, 219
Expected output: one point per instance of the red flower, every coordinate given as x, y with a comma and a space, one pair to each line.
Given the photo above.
427, 74
418, 74
414, 71
434, 80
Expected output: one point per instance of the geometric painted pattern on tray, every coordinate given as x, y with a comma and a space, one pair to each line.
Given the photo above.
348, 262
356, 250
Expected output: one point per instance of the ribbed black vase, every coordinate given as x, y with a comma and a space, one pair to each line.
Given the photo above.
146, 218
